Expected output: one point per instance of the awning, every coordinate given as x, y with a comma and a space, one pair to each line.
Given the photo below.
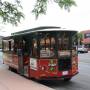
86, 41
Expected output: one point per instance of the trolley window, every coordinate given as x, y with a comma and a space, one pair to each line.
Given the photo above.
64, 40
47, 45
8, 45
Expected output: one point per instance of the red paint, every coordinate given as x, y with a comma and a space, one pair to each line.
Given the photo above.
43, 67
39, 73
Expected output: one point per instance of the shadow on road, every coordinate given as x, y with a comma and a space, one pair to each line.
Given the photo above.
59, 84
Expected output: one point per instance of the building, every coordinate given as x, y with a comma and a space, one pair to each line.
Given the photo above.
86, 38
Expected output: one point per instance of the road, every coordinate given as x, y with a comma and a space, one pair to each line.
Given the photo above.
79, 82
84, 57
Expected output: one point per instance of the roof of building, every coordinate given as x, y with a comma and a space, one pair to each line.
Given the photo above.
85, 31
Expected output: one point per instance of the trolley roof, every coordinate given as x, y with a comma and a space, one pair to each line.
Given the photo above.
42, 28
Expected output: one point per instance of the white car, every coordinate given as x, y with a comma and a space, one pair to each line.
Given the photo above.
82, 49
0, 50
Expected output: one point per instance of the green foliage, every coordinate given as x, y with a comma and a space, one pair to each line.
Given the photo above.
41, 6
10, 13
66, 4
80, 37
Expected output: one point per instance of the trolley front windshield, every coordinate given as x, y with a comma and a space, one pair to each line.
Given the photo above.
52, 41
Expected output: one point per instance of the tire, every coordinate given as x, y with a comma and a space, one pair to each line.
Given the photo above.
10, 68
67, 79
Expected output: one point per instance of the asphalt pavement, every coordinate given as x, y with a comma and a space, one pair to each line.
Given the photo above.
12, 81
79, 82
84, 57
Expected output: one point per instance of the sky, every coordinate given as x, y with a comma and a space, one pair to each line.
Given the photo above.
77, 19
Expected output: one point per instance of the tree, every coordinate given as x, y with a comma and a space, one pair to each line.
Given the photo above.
80, 37
10, 12
41, 6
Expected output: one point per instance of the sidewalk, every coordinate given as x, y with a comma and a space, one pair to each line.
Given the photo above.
11, 81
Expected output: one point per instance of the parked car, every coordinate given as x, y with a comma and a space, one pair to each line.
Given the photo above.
82, 49
0, 50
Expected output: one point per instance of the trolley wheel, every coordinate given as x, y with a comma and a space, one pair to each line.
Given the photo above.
10, 68
67, 79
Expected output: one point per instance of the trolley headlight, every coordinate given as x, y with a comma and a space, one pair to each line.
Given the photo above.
74, 62
43, 68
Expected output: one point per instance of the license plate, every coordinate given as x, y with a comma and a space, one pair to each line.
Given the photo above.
65, 73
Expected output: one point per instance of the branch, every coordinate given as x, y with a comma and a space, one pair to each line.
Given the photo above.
41, 6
